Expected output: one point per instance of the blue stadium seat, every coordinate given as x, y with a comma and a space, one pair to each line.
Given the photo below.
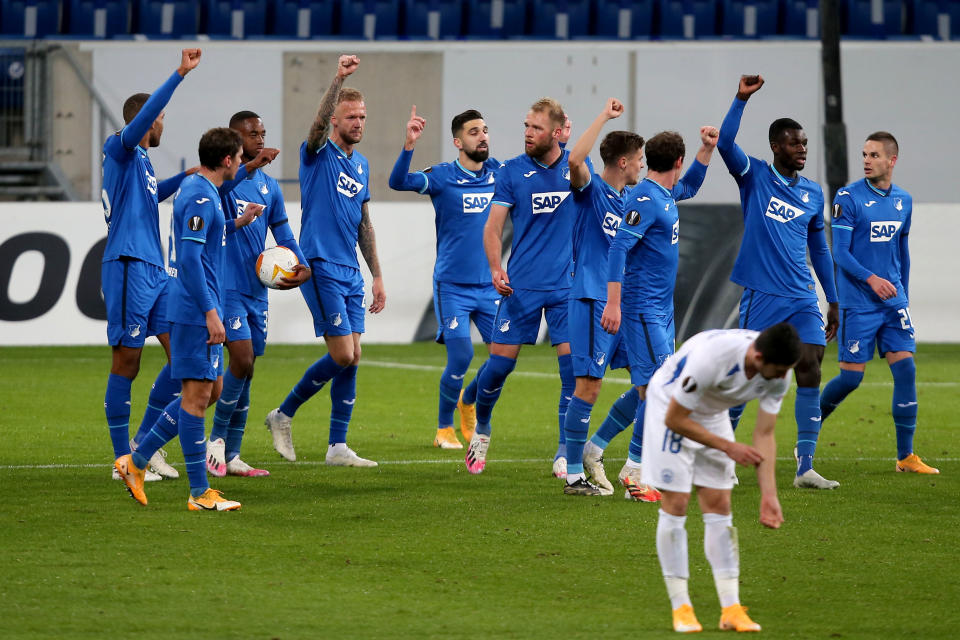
738, 22
857, 18
801, 18
234, 18
369, 19
687, 19
937, 18
99, 18
167, 18
560, 19
30, 19
434, 19
624, 19
302, 18
495, 18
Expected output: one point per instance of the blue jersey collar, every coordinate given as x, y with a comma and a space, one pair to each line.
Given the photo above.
209, 182
467, 171
337, 147
786, 181
879, 192
659, 186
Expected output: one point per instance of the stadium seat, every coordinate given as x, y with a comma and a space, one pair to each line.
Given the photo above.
624, 19
167, 18
937, 18
30, 19
801, 18
857, 18
433, 19
495, 18
98, 18
749, 18
234, 18
687, 19
302, 18
560, 19
369, 19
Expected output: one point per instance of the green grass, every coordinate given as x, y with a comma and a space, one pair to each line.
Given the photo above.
420, 549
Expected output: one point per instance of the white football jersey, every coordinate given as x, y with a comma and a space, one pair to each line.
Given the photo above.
706, 375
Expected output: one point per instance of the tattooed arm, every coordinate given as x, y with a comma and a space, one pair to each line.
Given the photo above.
367, 241
320, 129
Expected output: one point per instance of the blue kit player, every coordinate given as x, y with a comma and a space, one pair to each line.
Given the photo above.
245, 297
133, 275
871, 222
598, 200
195, 313
534, 190
334, 191
782, 220
461, 192
642, 274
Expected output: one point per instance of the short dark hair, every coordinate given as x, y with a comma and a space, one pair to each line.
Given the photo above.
216, 144
133, 105
456, 125
889, 142
663, 151
780, 344
618, 144
778, 126
240, 116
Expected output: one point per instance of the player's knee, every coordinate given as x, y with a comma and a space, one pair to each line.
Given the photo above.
904, 371
588, 389
459, 355
242, 366
850, 378
808, 371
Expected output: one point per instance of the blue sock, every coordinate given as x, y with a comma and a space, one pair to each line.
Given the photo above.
343, 395
837, 389
490, 383
116, 404
238, 422
194, 447
576, 427
226, 404
735, 413
316, 375
459, 354
163, 431
470, 393
636, 440
162, 393
807, 413
568, 382
904, 407
619, 418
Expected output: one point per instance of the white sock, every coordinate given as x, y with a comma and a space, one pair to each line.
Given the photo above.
573, 477
672, 551
630, 464
723, 553
339, 446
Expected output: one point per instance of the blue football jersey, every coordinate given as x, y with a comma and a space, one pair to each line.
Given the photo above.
778, 215
599, 211
129, 198
461, 201
197, 217
542, 213
876, 221
333, 188
246, 243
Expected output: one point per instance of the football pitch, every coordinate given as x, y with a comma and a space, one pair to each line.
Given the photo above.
419, 548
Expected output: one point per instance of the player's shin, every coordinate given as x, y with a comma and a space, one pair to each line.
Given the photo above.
904, 405
459, 354
317, 375
162, 393
238, 422
116, 404
226, 404
568, 383
343, 395
619, 417
672, 552
490, 384
163, 431
837, 390
470, 392
194, 447
807, 414
634, 454
721, 547
576, 427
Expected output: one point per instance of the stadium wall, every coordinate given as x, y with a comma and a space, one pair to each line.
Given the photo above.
50, 274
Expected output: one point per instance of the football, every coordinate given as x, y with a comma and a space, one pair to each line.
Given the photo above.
276, 263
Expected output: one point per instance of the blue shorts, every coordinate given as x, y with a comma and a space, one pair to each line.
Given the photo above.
759, 311
335, 297
518, 317
592, 348
887, 329
650, 340
191, 358
135, 294
245, 318
457, 304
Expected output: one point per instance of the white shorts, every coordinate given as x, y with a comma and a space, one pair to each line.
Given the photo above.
674, 463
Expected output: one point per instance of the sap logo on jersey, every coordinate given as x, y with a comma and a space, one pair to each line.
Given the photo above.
611, 222
883, 231
781, 211
347, 185
476, 202
548, 202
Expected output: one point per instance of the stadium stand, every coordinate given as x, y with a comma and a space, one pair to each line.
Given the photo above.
166, 18
687, 19
434, 19
749, 19
369, 19
30, 19
493, 19
99, 18
302, 18
234, 18
624, 19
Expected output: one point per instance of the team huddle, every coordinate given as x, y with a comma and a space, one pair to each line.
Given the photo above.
595, 252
